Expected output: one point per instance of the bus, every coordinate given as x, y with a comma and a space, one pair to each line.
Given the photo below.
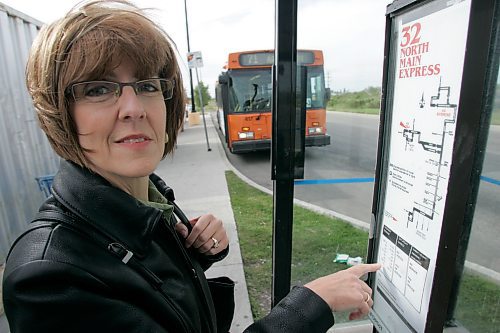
244, 99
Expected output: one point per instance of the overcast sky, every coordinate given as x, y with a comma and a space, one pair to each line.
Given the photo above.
350, 32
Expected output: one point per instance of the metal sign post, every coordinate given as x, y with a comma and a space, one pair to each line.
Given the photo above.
286, 114
195, 61
441, 63
193, 106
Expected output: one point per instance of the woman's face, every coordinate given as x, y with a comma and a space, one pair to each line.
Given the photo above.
125, 139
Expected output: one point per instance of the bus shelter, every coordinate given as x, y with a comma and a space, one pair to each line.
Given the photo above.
438, 96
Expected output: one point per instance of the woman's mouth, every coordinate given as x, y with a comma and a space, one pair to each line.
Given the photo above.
137, 138
134, 140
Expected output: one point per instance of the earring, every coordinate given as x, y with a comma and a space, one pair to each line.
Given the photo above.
166, 138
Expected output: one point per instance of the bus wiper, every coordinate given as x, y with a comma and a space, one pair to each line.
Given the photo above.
255, 86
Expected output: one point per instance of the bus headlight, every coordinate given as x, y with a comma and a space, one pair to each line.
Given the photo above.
314, 130
245, 135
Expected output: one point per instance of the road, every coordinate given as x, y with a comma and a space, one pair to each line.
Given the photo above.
352, 154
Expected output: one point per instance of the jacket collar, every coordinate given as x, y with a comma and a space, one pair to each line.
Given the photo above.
107, 208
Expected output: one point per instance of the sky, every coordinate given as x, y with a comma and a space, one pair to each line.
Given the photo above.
350, 33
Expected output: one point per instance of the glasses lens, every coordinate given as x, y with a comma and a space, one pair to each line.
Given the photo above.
156, 87
149, 87
95, 91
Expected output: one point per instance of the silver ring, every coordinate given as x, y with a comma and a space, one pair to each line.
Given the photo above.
367, 298
216, 243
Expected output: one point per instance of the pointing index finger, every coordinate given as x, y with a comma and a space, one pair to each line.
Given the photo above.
362, 269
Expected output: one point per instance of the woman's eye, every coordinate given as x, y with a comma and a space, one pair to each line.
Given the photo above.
148, 86
96, 90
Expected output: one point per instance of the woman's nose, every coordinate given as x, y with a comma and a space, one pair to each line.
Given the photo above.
130, 104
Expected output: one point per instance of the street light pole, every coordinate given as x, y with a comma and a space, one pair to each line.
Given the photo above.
193, 107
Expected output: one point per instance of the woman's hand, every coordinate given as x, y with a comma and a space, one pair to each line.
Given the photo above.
344, 291
208, 235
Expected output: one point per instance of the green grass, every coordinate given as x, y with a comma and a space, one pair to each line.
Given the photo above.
211, 106
365, 101
495, 116
478, 307
352, 110
316, 240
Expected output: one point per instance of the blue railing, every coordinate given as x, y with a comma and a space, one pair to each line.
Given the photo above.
45, 184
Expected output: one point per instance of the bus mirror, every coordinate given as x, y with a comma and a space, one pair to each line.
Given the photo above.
328, 94
223, 79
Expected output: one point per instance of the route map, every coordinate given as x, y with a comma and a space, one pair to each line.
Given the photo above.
423, 212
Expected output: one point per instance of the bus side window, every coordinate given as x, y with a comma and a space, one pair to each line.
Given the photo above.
313, 89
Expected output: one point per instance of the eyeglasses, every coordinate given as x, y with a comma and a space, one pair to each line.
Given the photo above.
107, 91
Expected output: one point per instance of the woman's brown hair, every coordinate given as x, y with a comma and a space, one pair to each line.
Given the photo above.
87, 44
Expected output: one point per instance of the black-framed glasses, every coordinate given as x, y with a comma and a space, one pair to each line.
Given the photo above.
107, 91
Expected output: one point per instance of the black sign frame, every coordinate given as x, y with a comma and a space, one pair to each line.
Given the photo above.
477, 90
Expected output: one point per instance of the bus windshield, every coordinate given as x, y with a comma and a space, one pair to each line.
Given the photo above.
251, 89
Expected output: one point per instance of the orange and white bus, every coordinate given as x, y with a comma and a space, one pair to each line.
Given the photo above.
244, 99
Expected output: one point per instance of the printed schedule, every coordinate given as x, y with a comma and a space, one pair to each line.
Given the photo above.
404, 266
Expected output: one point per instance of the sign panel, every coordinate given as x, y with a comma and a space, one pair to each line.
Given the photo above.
426, 73
266, 58
194, 59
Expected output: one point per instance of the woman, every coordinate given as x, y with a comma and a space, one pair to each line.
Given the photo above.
107, 254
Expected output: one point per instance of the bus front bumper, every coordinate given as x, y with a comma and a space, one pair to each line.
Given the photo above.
317, 140
255, 145
250, 145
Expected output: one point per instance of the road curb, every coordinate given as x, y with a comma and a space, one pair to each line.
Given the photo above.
2, 267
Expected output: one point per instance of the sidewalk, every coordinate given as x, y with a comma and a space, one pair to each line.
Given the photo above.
197, 177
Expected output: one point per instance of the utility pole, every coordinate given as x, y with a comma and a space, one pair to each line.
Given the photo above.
193, 106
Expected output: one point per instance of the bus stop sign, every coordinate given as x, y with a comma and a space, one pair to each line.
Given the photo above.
433, 112
194, 59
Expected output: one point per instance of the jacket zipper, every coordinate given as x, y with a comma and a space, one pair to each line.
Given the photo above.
193, 270
126, 255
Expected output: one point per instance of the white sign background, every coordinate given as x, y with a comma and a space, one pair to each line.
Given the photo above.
195, 59
427, 79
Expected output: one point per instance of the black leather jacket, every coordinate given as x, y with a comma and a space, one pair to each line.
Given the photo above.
59, 280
